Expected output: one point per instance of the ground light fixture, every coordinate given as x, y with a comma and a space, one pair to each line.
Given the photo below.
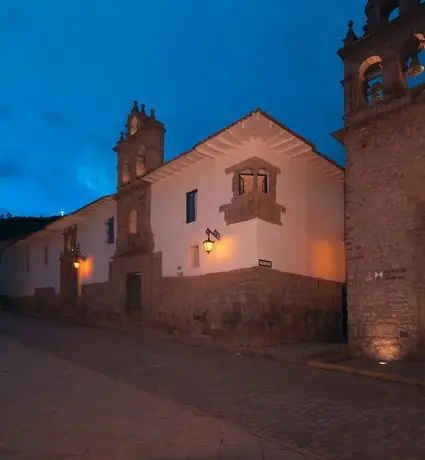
208, 244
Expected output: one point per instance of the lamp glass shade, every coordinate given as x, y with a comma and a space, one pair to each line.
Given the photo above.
208, 245
76, 263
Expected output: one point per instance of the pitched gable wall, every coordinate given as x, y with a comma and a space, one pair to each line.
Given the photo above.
310, 241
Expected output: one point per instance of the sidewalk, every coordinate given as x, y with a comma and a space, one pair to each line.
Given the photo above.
295, 353
327, 356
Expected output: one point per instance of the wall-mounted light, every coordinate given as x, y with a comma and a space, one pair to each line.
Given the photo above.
77, 256
208, 244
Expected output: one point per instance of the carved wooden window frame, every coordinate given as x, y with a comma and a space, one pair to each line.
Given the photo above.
255, 204
254, 174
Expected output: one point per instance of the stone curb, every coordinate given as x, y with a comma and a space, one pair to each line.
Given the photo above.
367, 373
240, 351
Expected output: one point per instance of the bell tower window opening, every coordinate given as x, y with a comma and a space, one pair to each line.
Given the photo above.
394, 14
414, 71
372, 84
414, 61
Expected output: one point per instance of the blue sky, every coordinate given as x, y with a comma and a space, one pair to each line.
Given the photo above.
71, 70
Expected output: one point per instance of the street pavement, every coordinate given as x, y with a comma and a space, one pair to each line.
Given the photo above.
66, 388
52, 409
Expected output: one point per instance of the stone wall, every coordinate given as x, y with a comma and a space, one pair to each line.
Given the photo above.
22, 304
96, 305
256, 304
385, 232
43, 302
46, 301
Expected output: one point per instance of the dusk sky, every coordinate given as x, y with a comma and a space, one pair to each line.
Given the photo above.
71, 70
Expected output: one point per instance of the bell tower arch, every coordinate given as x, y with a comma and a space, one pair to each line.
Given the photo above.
384, 138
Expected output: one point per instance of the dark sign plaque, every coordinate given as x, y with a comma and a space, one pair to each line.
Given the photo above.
265, 263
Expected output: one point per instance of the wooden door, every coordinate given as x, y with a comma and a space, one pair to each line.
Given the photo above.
134, 292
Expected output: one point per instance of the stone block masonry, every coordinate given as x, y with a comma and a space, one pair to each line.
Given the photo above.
385, 232
256, 304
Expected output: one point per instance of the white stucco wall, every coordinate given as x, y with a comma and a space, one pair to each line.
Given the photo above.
92, 237
325, 226
17, 281
310, 241
238, 247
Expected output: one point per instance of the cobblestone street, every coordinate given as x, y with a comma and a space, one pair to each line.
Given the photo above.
321, 413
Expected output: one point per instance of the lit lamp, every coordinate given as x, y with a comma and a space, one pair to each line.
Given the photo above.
78, 257
209, 243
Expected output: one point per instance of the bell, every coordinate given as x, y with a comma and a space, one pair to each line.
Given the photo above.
375, 91
415, 68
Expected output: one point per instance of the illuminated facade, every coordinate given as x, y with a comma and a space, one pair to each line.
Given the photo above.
273, 207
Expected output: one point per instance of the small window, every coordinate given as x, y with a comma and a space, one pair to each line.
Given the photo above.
46, 255
110, 231
27, 261
191, 206
194, 257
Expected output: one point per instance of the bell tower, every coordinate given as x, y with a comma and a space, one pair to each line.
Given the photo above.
140, 149
384, 139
